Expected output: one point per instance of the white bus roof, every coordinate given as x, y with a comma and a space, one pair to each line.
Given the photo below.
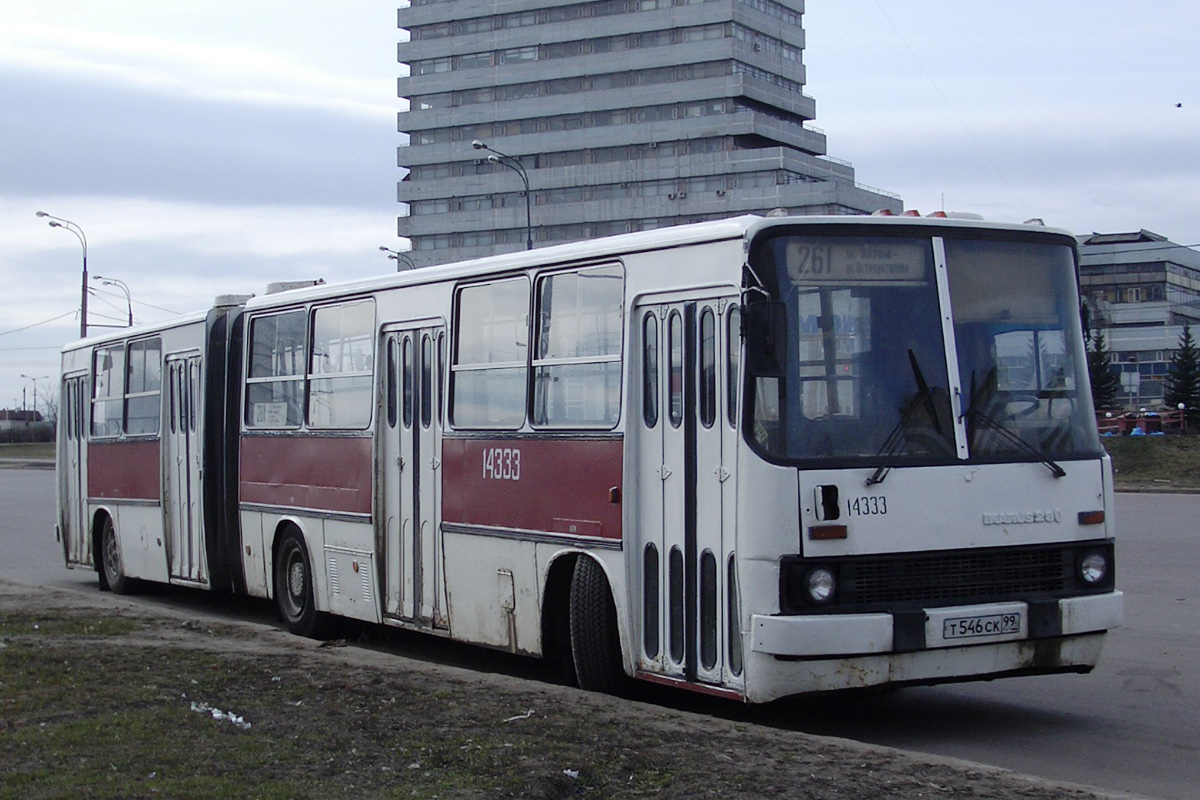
742, 227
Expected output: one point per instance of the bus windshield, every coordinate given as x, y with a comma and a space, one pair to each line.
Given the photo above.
862, 350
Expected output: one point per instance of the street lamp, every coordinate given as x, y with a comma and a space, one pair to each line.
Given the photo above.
67, 225
514, 164
123, 287
403, 262
34, 379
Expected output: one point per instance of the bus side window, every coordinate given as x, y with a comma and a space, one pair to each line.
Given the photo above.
733, 343
275, 377
441, 377
650, 601
577, 353
390, 387
406, 375
650, 370
144, 388
108, 382
491, 347
426, 381
343, 356
708, 367
675, 598
675, 366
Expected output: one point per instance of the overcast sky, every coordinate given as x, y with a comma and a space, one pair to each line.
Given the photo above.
210, 146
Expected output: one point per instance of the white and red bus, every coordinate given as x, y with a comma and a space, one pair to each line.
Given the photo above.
754, 457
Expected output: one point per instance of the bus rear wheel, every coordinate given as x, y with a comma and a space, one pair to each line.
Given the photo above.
112, 571
595, 645
294, 593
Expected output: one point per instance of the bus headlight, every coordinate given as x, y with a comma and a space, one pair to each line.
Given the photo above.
820, 584
1093, 568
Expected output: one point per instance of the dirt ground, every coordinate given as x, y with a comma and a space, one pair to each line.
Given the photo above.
102, 696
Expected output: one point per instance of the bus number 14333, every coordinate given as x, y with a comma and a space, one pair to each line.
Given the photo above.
502, 464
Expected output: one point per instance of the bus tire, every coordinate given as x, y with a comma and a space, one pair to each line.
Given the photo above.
595, 645
294, 592
111, 569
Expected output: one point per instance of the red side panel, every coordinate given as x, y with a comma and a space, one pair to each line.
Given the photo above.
312, 472
124, 470
555, 485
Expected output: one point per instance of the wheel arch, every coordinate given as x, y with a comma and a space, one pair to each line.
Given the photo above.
556, 605
556, 601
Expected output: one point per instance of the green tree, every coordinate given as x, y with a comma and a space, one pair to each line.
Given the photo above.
1105, 378
1183, 377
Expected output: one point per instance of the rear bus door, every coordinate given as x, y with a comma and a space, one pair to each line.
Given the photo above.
73, 465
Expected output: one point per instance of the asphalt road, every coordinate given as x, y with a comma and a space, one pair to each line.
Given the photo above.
1132, 725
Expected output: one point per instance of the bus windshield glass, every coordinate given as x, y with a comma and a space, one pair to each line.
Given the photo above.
849, 362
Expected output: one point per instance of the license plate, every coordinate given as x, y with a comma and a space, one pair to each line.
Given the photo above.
983, 625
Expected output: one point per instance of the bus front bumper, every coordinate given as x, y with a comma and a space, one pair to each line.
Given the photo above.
838, 635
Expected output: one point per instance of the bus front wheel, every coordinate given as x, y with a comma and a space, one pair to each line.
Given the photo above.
294, 593
595, 646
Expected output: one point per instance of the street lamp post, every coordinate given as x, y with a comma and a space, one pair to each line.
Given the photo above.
67, 225
402, 260
34, 379
124, 287
514, 164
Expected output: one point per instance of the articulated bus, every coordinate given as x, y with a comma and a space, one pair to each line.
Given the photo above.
754, 457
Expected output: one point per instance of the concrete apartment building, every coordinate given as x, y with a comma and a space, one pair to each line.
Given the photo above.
623, 114
1141, 289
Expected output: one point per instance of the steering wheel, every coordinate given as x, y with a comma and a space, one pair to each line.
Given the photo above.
1029, 398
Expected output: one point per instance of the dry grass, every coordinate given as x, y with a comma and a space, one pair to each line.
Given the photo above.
1157, 463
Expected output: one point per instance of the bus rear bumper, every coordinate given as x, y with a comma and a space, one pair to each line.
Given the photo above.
827, 635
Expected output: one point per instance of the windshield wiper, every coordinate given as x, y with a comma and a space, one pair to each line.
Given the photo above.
895, 439
891, 446
986, 421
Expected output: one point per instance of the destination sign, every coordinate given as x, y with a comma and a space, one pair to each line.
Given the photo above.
833, 260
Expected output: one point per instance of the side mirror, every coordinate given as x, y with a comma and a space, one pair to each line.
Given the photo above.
766, 337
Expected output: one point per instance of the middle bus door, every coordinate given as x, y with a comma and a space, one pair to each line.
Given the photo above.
182, 463
686, 453
410, 427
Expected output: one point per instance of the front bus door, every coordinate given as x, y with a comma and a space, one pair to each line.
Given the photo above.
686, 487
410, 448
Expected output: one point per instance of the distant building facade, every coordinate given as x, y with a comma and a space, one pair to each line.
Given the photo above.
625, 115
1141, 289
23, 425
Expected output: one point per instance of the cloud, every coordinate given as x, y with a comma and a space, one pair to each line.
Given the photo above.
83, 135
1070, 118
205, 148
187, 71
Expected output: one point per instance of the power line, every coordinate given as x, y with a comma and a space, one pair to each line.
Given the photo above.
34, 325
953, 109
